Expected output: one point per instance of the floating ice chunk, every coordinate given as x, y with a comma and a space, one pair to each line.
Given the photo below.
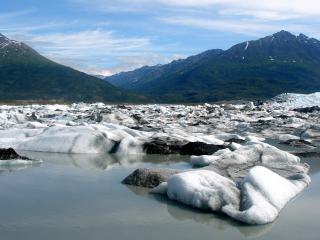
264, 193
71, 123
291, 100
34, 125
200, 189
287, 137
18, 162
235, 146
129, 145
257, 152
311, 133
68, 140
255, 139
211, 140
274, 157
19, 133
258, 200
205, 160
118, 118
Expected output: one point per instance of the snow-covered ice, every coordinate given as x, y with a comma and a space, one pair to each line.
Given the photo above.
243, 130
264, 194
201, 189
258, 200
293, 100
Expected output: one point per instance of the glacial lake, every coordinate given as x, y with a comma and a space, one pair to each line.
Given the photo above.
81, 197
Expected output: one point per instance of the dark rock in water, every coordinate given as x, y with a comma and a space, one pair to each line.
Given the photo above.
307, 109
298, 143
162, 147
9, 154
200, 148
149, 178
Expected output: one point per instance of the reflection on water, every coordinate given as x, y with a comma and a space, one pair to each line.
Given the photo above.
13, 168
106, 161
215, 220
81, 197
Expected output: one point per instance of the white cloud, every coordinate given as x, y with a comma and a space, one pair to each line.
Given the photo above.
90, 42
245, 27
251, 18
96, 51
260, 14
128, 63
260, 9
85, 50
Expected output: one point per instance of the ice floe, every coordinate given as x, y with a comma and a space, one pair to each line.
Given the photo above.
258, 200
293, 100
229, 141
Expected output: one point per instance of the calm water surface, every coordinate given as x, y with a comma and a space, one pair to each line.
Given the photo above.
81, 197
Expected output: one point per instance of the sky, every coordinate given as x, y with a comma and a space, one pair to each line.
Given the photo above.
105, 37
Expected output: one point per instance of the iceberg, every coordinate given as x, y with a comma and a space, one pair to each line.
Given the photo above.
251, 184
258, 200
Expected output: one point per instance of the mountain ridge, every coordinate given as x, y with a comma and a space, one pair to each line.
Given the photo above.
256, 69
27, 75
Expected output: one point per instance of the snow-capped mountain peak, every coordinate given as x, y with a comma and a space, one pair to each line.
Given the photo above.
5, 42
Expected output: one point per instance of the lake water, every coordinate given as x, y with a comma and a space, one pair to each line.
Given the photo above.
81, 197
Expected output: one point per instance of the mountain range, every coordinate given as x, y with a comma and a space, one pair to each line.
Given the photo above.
251, 70
26, 75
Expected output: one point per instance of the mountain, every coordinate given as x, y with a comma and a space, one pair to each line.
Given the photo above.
144, 75
250, 70
26, 75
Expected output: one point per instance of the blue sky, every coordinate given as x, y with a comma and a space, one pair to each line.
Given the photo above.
109, 36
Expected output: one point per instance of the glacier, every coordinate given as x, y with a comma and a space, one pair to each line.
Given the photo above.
236, 172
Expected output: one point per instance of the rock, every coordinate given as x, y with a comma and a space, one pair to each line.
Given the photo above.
9, 154
149, 178
236, 140
162, 147
200, 148
307, 109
